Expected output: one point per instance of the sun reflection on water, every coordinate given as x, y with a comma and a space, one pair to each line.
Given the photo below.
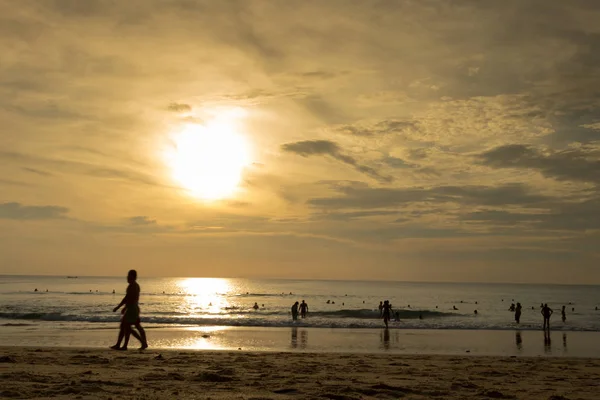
209, 339
206, 295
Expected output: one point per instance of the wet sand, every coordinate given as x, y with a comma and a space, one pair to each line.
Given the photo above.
98, 373
502, 343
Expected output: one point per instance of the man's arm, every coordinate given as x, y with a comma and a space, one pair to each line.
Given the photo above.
120, 304
124, 301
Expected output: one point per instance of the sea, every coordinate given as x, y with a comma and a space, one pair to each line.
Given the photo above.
62, 307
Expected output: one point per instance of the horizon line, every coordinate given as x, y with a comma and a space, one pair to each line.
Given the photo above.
66, 276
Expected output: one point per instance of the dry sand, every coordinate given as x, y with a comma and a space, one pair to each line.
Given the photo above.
77, 373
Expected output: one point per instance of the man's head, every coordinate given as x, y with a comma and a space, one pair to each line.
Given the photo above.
131, 275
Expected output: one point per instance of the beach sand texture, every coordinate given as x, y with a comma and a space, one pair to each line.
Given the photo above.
89, 374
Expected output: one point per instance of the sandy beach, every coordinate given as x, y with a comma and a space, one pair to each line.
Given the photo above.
105, 374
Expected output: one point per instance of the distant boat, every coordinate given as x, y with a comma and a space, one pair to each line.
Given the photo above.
71, 277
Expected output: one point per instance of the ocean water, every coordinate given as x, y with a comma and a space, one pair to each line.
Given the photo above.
86, 303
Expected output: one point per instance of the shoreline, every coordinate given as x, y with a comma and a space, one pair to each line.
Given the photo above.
525, 343
105, 374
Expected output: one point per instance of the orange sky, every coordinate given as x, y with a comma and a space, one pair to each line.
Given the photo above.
406, 140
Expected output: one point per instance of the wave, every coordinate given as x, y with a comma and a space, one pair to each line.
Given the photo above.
371, 314
281, 321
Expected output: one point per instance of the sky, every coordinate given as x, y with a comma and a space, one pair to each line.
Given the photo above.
405, 140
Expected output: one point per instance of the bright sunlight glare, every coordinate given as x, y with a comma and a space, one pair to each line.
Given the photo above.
208, 160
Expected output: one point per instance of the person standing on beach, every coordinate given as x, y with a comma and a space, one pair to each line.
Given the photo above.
386, 312
547, 313
380, 309
518, 313
303, 309
131, 314
295, 311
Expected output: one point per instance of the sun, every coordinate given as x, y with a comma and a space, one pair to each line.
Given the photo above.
208, 159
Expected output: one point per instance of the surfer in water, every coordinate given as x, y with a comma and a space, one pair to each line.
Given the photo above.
255, 306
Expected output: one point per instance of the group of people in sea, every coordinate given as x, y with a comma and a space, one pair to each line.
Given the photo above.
35, 290
545, 310
303, 307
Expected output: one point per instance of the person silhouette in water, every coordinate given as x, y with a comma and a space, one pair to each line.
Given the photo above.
295, 311
131, 314
303, 309
547, 313
386, 312
518, 313
564, 314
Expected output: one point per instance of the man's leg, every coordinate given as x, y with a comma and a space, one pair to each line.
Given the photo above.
127, 335
120, 338
142, 339
135, 334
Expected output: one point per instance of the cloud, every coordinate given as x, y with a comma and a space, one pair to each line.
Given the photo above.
322, 108
311, 147
389, 98
179, 107
21, 212
574, 164
37, 171
501, 217
595, 126
325, 147
396, 162
79, 167
554, 216
48, 111
347, 216
384, 127
369, 198
12, 182
141, 220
